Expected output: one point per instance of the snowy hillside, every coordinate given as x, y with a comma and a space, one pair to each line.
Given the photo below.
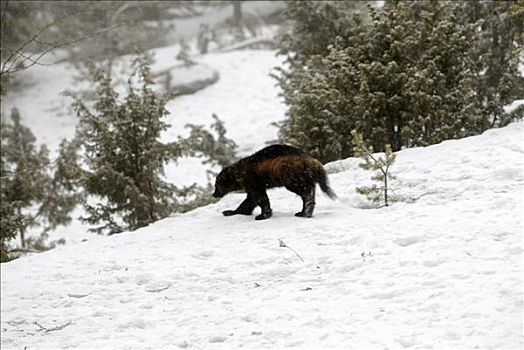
442, 271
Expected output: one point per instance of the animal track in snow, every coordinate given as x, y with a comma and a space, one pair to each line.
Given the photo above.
157, 286
142, 279
385, 295
407, 241
138, 323
432, 263
217, 339
204, 254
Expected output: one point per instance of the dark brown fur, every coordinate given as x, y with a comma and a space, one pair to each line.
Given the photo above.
273, 166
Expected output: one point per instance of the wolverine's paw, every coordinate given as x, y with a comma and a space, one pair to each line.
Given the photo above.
263, 216
229, 212
302, 215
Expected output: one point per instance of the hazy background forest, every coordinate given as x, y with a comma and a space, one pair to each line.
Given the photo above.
401, 73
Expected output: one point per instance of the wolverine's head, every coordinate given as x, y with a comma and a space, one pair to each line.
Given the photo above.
227, 181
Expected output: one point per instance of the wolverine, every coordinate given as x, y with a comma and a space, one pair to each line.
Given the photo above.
273, 166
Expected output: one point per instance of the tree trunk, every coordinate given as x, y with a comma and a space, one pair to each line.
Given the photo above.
386, 189
22, 233
237, 13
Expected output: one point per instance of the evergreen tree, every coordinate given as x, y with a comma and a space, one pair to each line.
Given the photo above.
381, 165
315, 27
11, 223
117, 159
216, 150
501, 28
31, 194
24, 177
123, 156
62, 194
440, 93
405, 79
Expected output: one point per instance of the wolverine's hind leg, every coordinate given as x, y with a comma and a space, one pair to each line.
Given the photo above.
245, 208
308, 200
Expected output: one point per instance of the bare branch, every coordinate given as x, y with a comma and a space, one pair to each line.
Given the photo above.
58, 328
284, 245
13, 67
30, 59
25, 44
13, 63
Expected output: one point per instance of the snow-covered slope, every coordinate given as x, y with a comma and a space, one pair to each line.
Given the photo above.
443, 271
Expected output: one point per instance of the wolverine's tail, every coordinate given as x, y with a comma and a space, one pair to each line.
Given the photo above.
324, 185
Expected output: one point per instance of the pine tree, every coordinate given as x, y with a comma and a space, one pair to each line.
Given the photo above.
315, 26
441, 83
24, 177
33, 193
123, 156
117, 159
11, 223
501, 28
405, 79
381, 165
62, 194
216, 150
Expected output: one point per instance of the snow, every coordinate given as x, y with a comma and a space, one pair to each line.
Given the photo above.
513, 106
441, 269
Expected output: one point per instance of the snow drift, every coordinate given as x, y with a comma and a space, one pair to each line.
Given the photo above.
441, 269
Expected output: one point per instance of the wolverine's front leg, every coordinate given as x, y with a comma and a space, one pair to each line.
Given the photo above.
245, 208
262, 201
